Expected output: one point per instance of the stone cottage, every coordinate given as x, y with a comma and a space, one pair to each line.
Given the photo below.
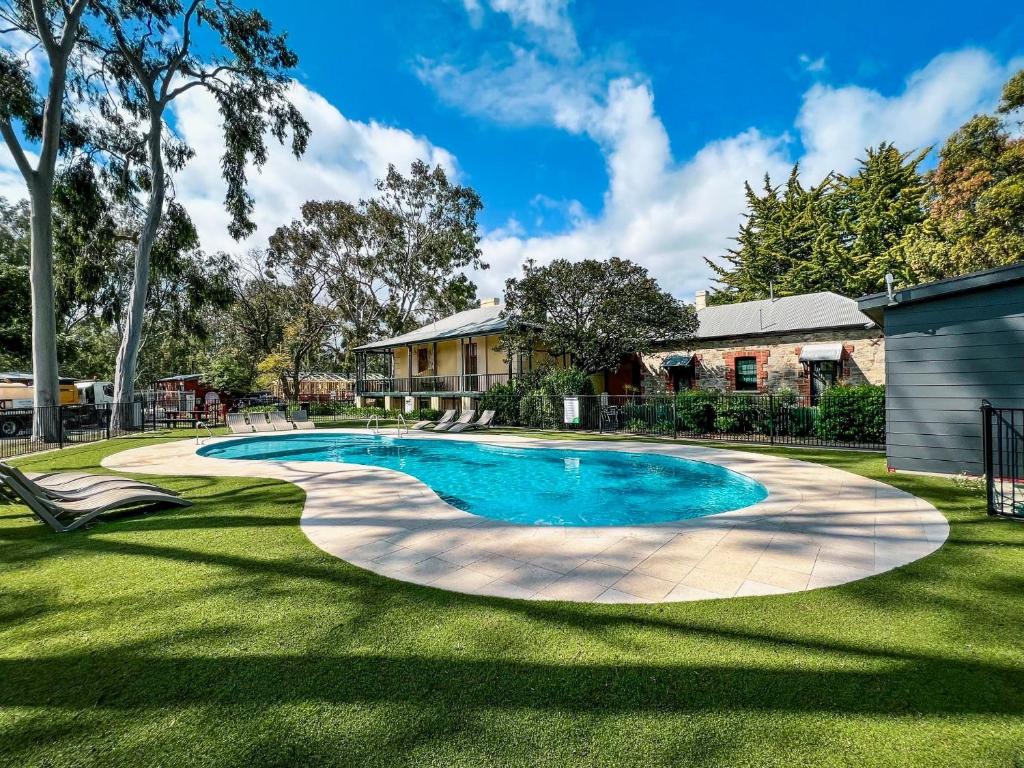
804, 343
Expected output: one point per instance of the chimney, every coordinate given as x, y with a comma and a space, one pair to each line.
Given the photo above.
492, 302
700, 299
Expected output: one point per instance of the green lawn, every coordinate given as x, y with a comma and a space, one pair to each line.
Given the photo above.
219, 636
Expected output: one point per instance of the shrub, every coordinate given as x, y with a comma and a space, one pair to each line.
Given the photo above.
800, 421
566, 382
695, 410
424, 414
852, 414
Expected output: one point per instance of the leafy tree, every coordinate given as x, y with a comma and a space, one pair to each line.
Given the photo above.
15, 308
392, 262
41, 115
594, 311
149, 54
776, 239
976, 197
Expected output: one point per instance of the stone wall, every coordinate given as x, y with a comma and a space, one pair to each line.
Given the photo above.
778, 360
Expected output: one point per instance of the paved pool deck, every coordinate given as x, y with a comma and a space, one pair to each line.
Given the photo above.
818, 527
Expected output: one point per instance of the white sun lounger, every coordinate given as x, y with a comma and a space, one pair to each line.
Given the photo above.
301, 420
279, 422
238, 425
259, 423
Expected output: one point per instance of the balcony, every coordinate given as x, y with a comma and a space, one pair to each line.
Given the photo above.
465, 385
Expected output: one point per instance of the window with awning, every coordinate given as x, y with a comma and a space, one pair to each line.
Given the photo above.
821, 353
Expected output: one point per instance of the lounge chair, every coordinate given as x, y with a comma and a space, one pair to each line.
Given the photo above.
82, 511
279, 422
259, 423
74, 484
76, 491
448, 416
484, 421
301, 420
238, 424
464, 418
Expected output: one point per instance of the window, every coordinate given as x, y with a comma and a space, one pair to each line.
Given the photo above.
746, 374
422, 360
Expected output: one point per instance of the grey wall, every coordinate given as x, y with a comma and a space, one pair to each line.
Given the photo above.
943, 357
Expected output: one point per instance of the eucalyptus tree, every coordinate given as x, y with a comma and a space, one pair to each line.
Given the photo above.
38, 109
150, 53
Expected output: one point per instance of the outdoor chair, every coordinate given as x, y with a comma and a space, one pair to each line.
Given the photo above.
81, 485
301, 420
279, 422
259, 423
448, 417
484, 421
238, 424
81, 511
464, 418
75, 493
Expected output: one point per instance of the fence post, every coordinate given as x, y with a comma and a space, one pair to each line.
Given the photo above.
771, 418
109, 416
675, 421
986, 447
60, 426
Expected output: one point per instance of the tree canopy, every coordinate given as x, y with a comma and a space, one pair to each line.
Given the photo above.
848, 232
593, 311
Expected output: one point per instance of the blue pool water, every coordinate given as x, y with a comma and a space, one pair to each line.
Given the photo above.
531, 486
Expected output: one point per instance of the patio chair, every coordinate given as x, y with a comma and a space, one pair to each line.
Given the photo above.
447, 417
279, 422
464, 418
75, 493
484, 421
82, 511
238, 425
301, 420
259, 423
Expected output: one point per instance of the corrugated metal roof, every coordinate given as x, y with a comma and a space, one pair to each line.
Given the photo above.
809, 311
473, 322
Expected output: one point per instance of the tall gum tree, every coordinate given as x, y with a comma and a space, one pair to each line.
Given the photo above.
149, 53
56, 29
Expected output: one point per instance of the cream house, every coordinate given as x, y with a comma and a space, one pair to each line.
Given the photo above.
445, 364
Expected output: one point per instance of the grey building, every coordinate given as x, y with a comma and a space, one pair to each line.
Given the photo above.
948, 346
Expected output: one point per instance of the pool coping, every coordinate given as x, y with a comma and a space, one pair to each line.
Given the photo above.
818, 527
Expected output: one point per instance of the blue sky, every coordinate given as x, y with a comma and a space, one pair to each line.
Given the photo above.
594, 129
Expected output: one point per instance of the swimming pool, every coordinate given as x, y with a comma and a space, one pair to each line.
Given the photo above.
529, 486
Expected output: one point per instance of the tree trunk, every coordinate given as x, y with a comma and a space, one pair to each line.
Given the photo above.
46, 422
131, 340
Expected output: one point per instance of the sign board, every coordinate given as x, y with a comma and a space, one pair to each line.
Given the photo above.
571, 410
410, 404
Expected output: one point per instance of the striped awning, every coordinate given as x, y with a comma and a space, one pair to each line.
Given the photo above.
677, 361
820, 353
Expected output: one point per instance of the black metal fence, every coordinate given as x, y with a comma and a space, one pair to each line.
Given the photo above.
64, 425
1003, 452
759, 418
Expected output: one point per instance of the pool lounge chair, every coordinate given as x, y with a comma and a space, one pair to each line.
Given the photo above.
484, 421
464, 418
76, 492
238, 425
448, 416
279, 422
79, 485
79, 512
301, 420
259, 423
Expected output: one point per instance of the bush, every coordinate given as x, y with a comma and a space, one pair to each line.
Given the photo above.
566, 382
348, 411
424, 414
852, 414
695, 410
799, 421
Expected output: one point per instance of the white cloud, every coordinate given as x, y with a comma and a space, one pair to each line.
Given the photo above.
545, 22
344, 159
812, 65
668, 214
836, 124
